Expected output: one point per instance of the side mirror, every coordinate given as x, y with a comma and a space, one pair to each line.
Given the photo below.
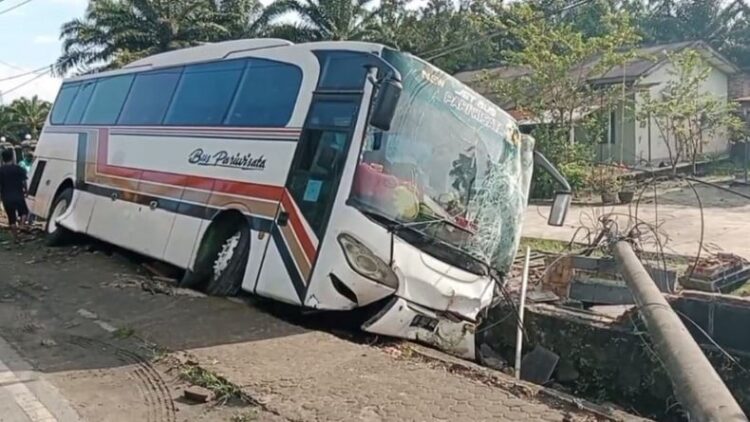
389, 93
560, 207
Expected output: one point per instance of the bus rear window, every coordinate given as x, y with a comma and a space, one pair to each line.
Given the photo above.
62, 104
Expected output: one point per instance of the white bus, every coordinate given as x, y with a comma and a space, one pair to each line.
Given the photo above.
330, 175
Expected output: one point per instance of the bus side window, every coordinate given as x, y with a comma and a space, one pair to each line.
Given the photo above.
79, 104
63, 102
266, 95
149, 97
107, 100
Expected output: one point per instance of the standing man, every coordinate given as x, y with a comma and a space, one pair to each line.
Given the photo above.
13, 192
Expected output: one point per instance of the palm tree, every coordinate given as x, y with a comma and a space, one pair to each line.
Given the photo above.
27, 115
6, 123
113, 33
321, 19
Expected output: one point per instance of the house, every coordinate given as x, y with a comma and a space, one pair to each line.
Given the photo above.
628, 139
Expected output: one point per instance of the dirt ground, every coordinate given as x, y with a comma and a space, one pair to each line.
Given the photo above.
674, 210
86, 334
87, 322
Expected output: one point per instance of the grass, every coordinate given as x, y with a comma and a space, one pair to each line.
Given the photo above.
743, 291
721, 168
222, 389
543, 245
123, 333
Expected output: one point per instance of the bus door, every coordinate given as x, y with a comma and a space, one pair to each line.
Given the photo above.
309, 196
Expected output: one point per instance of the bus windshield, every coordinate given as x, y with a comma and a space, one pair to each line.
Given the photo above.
453, 166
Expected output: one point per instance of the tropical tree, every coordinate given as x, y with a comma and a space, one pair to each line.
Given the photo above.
321, 19
27, 115
724, 25
6, 123
552, 86
687, 116
113, 33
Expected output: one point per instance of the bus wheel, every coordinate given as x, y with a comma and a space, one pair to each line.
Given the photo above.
228, 268
56, 234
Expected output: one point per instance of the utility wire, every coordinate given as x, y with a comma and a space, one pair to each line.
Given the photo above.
11, 65
21, 85
450, 49
14, 7
31, 72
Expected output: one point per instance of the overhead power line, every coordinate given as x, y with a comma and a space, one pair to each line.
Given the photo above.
14, 7
23, 84
20, 75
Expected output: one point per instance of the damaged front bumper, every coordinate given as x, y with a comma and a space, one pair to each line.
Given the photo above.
436, 303
400, 318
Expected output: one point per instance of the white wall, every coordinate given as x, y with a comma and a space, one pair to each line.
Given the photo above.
717, 84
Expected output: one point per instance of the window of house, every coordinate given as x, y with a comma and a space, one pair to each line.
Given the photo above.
612, 127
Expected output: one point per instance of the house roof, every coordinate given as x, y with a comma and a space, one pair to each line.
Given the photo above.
647, 59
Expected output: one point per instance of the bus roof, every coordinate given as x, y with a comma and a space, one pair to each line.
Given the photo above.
226, 50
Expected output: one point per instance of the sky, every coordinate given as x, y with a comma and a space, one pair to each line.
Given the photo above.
29, 41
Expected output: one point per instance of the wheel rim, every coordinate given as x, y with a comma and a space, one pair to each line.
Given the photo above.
58, 211
225, 255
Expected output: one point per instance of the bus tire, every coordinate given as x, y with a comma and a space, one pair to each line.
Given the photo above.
56, 234
228, 266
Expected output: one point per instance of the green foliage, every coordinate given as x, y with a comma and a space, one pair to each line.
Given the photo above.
24, 116
322, 19
686, 115
113, 33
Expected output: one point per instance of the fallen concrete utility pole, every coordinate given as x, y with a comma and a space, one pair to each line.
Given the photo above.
697, 386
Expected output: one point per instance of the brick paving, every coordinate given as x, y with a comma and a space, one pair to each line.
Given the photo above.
318, 377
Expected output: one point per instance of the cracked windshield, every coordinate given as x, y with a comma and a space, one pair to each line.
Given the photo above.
453, 166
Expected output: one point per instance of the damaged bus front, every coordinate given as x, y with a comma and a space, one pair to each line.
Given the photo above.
444, 188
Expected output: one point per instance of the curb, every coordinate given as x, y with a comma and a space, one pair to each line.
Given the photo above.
524, 389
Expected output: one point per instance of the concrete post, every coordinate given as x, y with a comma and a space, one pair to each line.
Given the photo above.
697, 386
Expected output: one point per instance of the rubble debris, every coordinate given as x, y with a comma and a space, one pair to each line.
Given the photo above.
197, 394
542, 296
697, 385
718, 273
87, 314
48, 343
490, 358
597, 281
539, 365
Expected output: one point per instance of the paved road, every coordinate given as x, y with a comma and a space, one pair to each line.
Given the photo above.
106, 345
725, 229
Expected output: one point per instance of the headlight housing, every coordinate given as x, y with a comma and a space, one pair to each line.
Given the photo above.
365, 263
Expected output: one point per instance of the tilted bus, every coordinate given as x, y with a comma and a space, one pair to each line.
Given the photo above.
329, 175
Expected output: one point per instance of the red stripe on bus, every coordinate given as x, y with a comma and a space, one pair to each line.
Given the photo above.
252, 190
296, 221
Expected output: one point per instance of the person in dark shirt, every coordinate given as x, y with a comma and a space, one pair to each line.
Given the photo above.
13, 192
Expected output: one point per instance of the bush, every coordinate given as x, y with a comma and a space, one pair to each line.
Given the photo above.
572, 161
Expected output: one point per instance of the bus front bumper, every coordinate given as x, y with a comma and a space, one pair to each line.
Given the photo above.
436, 303
403, 319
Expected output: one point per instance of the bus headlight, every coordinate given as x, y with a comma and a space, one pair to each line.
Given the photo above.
365, 263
